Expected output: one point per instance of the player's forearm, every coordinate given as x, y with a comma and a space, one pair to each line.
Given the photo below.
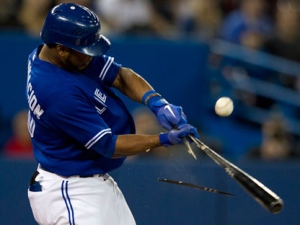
133, 144
132, 84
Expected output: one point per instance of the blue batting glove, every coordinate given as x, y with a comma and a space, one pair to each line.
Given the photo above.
175, 136
168, 115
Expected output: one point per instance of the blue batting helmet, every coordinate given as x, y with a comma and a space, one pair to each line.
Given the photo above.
75, 27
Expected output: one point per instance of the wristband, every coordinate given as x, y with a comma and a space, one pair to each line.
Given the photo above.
147, 95
150, 95
163, 138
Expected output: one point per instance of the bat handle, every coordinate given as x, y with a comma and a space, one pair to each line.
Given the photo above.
187, 144
189, 148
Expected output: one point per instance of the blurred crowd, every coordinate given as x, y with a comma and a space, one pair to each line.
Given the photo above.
166, 18
271, 26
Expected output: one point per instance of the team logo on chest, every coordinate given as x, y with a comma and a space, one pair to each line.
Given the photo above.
101, 98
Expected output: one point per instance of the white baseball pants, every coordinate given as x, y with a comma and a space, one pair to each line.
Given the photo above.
78, 201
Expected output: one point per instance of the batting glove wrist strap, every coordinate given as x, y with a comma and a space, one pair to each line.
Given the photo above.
156, 103
167, 139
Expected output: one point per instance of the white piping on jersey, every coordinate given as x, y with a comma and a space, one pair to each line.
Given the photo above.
34, 56
106, 67
99, 135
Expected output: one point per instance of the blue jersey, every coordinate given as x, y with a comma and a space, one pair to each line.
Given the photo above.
74, 118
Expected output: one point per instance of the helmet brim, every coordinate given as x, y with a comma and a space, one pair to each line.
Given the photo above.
97, 49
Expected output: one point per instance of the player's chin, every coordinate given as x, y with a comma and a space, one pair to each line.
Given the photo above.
82, 66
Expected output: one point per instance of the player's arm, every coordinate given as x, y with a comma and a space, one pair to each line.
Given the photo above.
131, 84
138, 89
132, 144
127, 145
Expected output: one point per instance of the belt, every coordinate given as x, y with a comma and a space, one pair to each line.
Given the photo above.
93, 175
36, 187
105, 175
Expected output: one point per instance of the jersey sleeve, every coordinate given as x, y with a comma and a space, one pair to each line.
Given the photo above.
77, 119
103, 69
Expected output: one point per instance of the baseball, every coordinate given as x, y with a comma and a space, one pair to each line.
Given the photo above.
224, 106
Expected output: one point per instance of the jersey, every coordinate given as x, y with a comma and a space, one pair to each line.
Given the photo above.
75, 117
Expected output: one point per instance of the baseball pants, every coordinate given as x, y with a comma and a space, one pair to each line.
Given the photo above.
95, 200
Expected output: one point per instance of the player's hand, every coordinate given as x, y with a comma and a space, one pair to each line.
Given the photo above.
171, 116
168, 115
175, 136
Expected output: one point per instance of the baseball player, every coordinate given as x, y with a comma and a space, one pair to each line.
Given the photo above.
80, 129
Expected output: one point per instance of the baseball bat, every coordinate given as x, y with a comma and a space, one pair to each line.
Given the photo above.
195, 186
263, 195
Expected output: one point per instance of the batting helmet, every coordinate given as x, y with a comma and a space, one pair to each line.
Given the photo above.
75, 27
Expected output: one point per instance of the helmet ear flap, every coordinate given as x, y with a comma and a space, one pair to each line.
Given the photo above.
75, 27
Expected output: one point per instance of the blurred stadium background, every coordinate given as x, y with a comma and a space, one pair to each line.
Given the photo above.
192, 70
191, 74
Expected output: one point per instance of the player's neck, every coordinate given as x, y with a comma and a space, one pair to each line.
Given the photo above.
49, 55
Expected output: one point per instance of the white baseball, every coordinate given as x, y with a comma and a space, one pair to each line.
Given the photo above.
224, 106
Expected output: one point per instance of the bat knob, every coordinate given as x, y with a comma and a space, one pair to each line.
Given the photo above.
276, 206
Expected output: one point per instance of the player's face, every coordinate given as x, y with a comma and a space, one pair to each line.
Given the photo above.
74, 60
